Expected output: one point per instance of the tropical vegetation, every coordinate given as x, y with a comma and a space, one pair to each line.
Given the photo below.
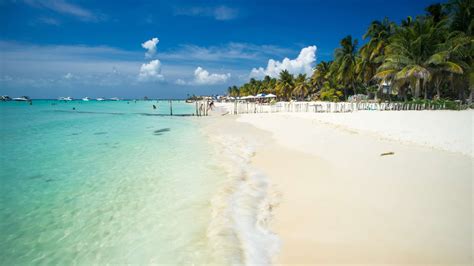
429, 57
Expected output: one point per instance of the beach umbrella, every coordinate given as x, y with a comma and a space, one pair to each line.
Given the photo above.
270, 96
260, 95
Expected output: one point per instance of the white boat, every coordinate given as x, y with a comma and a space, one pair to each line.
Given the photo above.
22, 99
5, 98
65, 98
114, 99
100, 99
86, 99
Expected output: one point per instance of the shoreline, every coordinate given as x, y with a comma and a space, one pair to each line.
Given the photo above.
242, 208
340, 202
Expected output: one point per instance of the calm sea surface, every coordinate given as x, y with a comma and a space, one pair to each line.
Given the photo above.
108, 182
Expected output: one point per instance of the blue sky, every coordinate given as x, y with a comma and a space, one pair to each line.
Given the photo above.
90, 48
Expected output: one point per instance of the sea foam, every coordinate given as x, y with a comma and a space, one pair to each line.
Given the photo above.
242, 209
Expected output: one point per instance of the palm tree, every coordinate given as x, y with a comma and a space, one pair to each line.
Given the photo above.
345, 64
285, 84
461, 15
245, 89
329, 92
451, 58
320, 75
437, 12
373, 52
235, 91
301, 86
253, 86
428, 54
409, 52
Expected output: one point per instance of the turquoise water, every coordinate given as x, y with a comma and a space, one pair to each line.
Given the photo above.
109, 182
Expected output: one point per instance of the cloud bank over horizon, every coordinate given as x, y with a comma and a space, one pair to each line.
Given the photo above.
303, 64
52, 70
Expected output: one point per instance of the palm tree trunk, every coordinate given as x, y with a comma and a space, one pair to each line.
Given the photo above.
417, 89
425, 90
380, 91
470, 94
437, 83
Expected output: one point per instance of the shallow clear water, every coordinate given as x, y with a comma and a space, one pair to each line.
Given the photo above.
109, 182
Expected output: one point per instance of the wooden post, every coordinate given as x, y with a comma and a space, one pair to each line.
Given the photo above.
171, 108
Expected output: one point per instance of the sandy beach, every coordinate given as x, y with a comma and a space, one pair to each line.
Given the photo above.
338, 201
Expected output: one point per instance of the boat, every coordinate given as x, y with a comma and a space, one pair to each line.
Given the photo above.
65, 98
5, 98
86, 99
100, 99
22, 99
114, 99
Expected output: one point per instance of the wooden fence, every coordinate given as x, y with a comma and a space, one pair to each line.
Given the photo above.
240, 107
202, 108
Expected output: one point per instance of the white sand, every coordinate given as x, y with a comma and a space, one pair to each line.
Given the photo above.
342, 203
447, 130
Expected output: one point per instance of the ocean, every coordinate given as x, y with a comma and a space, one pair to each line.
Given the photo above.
109, 182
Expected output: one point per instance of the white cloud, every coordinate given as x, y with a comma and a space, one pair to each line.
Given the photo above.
64, 7
302, 64
203, 77
228, 52
180, 82
150, 46
49, 21
68, 76
6, 78
225, 13
218, 13
151, 71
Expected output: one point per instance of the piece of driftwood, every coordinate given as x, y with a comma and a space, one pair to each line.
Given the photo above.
387, 153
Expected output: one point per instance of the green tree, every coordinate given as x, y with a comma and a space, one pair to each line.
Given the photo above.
319, 76
285, 84
302, 86
409, 52
329, 92
373, 52
345, 64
